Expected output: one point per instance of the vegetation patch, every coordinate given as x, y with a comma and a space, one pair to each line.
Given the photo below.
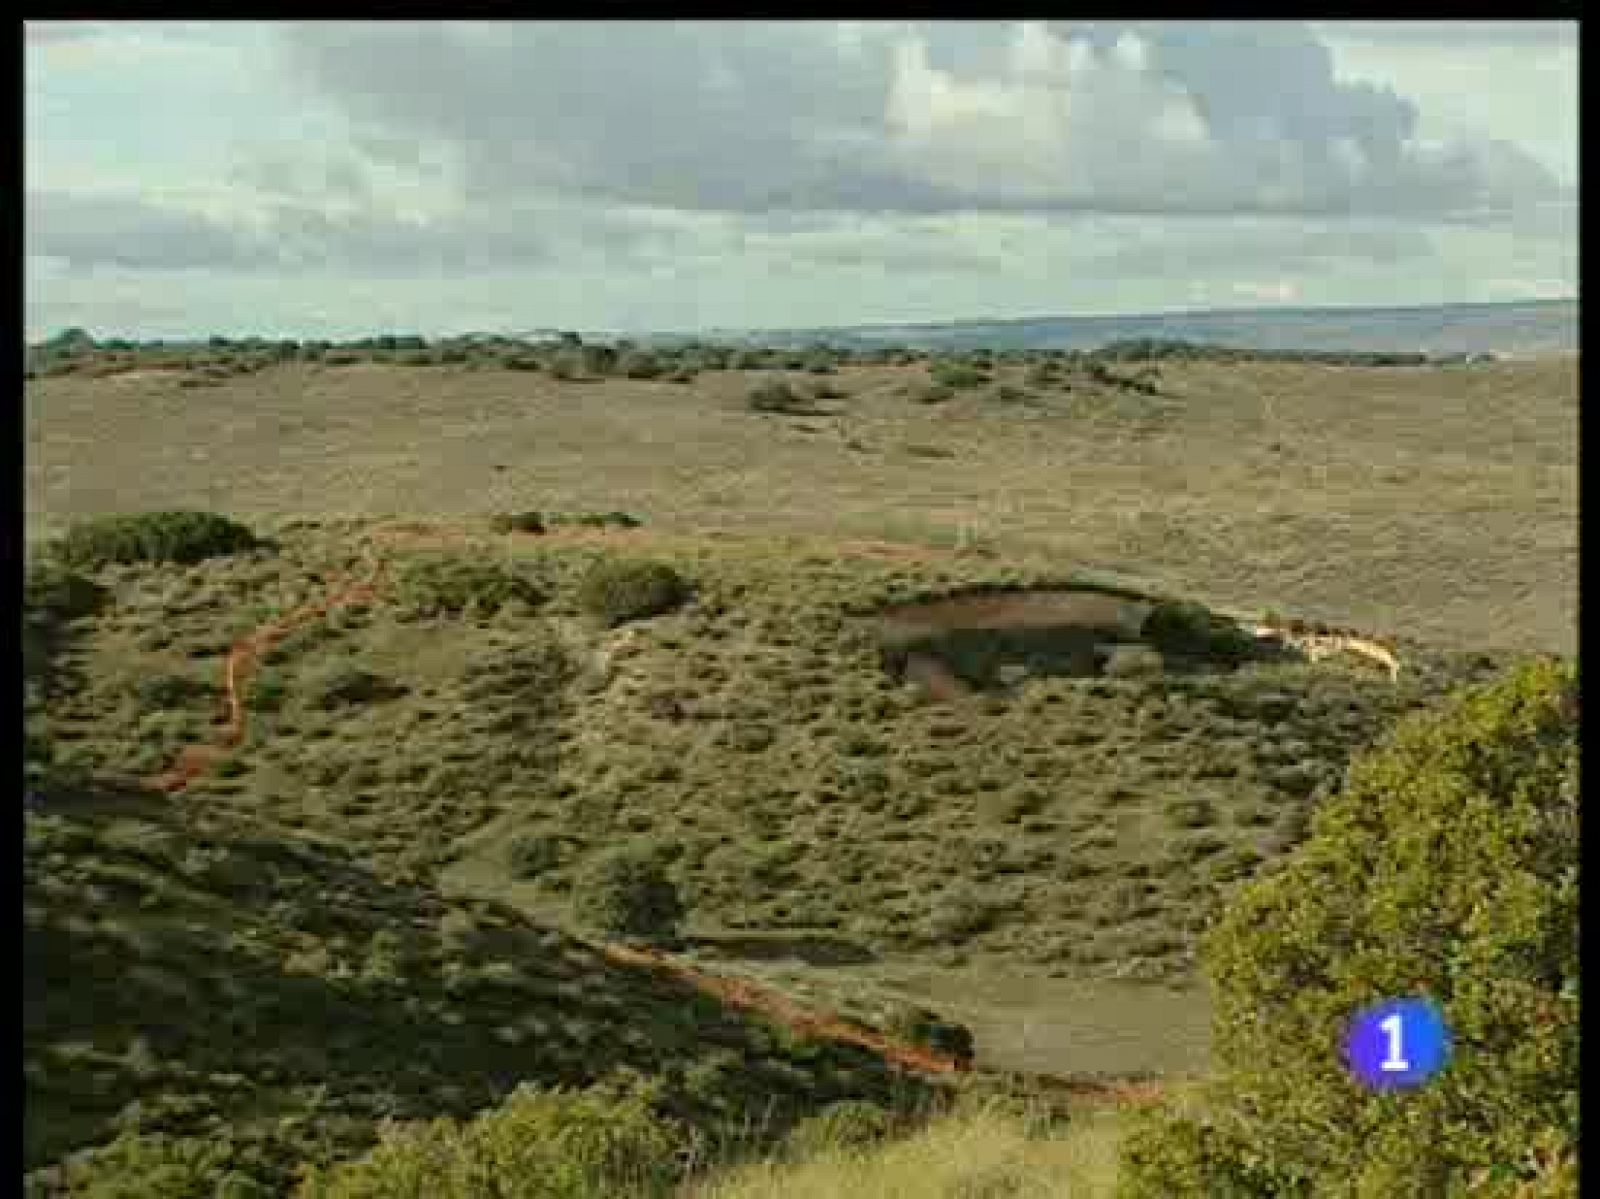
183, 537
1446, 868
455, 586
621, 591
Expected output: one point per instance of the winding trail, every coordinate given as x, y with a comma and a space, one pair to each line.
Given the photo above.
246, 652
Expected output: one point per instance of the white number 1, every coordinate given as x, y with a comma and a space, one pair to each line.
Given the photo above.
1396, 1060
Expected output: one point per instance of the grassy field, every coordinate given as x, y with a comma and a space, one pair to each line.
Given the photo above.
418, 791
1439, 502
987, 1152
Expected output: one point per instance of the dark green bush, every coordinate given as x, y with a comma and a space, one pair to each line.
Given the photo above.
340, 683
519, 522
532, 854
457, 586
53, 592
1186, 629
162, 691
601, 520
1448, 867
181, 537
919, 1026
626, 892
774, 395
959, 376
618, 592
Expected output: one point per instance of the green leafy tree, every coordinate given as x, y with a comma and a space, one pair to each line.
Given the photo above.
1448, 868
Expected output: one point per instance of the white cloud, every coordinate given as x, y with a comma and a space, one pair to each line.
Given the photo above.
771, 173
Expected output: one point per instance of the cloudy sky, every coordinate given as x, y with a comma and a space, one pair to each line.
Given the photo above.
334, 179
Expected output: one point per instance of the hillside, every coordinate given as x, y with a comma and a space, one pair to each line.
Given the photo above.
192, 972
939, 717
1435, 502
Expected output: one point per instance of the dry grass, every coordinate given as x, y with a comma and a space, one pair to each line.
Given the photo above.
983, 1154
1440, 502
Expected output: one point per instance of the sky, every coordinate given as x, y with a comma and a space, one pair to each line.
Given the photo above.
335, 179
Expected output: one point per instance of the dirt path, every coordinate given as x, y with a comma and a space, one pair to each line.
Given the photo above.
246, 653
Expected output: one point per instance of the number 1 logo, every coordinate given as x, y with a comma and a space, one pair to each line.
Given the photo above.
1395, 1060
1398, 1044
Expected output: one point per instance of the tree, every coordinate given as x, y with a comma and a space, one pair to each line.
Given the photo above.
627, 892
1448, 869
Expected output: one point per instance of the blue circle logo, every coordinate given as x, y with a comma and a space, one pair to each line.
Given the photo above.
1398, 1044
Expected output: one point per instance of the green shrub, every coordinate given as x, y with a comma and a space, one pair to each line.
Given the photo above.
618, 592
919, 1026
456, 586
162, 691
535, 1145
774, 395
600, 520
959, 376
532, 854
156, 1166
626, 892
53, 593
1171, 1154
1191, 813
1186, 629
1448, 867
519, 522
182, 537
341, 683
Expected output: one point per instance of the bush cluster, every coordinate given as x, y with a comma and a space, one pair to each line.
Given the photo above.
459, 586
618, 592
180, 536
626, 892
774, 395
535, 1145
1448, 868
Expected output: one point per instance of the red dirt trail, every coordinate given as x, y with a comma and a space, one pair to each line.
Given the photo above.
247, 651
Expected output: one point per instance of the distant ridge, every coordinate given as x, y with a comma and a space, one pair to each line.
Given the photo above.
1509, 329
